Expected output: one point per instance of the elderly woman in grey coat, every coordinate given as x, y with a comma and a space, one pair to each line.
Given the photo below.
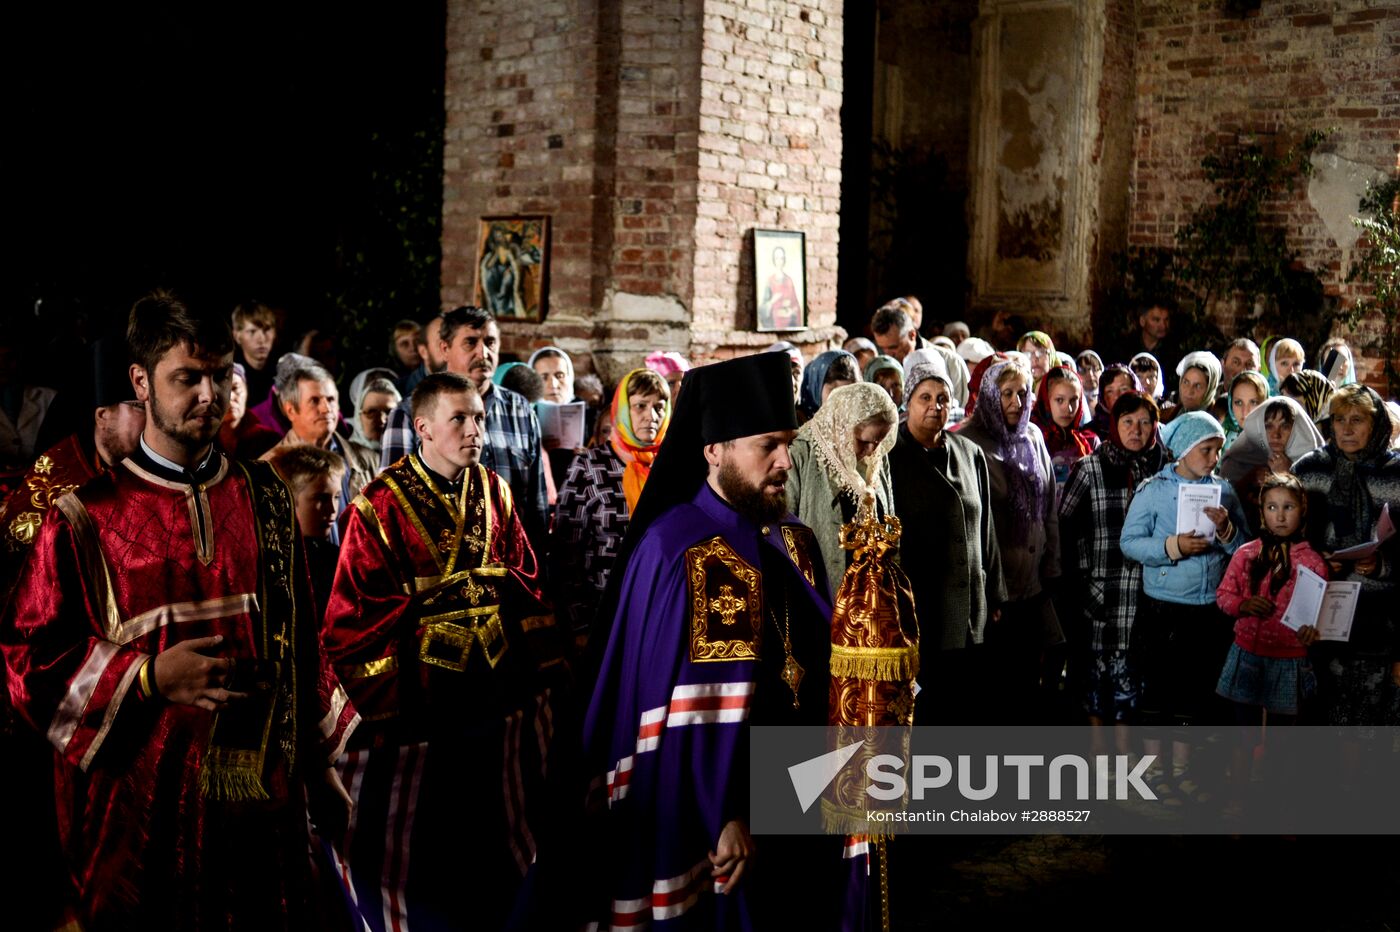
842, 447
942, 497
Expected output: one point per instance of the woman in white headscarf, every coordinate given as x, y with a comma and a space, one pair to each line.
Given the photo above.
839, 462
557, 370
1276, 435
373, 397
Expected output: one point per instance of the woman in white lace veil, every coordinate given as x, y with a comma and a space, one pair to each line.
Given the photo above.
839, 465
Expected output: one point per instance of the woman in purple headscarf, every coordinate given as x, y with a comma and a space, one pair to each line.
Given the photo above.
1028, 532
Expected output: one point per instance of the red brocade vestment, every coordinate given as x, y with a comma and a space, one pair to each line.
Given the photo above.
66, 466
440, 633
172, 816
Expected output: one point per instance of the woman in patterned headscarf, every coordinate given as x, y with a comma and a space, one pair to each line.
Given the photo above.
1028, 531
1056, 413
1040, 350
600, 493
838, 456
1310, 389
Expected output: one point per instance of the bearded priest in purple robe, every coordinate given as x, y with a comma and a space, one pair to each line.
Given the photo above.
722, 620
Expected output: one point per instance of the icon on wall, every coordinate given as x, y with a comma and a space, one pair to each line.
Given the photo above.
512, 267
780, 279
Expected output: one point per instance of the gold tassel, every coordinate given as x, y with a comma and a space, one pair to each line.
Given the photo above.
888, 664
839, 820
229, 781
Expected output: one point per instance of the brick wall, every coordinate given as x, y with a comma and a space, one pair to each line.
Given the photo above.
523, 137
1206, 78
769, 156
656, 133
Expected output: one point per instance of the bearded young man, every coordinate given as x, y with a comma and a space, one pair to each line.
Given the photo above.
160, 637
723, 619
439, 629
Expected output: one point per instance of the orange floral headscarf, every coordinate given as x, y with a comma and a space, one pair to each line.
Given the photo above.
636, 455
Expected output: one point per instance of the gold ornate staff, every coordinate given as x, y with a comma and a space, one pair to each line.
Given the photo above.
874, 660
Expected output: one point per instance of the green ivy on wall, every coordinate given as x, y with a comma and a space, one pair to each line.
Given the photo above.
1234, 249
1377, 269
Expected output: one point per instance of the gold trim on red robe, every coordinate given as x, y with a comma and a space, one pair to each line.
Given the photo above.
426, 581
112, 580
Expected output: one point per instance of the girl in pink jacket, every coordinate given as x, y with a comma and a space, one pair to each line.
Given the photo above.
1267, 666
1267, 669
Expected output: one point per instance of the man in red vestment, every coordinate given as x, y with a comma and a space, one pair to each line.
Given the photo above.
117, 421
160, 638
438, 628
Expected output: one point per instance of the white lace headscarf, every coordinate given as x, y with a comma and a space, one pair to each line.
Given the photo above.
832, 435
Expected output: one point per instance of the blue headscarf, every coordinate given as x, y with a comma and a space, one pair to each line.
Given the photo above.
501, 371
814, 377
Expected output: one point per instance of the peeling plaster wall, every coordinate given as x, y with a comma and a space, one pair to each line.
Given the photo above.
1037, 157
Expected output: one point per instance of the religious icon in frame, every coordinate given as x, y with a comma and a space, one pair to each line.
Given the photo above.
780, 279
512, 267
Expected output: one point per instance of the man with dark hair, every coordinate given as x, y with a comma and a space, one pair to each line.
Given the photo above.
470, 341
159, 638
438, 627
255, 332
427, 344
1153, 334
720, 617
895, 332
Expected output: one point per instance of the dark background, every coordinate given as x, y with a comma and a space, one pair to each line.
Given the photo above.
255, 150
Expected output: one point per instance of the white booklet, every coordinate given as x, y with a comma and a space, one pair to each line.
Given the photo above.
1385, 530
1191, 502
561, 423
1330, 607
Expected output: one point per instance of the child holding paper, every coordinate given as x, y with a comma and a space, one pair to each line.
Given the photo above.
1267, 667
1181, 637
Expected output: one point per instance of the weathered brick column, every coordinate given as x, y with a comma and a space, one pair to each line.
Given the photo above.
656, 134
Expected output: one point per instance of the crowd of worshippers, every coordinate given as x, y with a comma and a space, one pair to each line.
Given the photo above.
422, 607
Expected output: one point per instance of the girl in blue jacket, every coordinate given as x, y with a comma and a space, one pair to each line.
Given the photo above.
1181, 637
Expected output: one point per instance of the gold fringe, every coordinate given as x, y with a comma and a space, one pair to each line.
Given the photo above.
841, 821
888, 664
221, 782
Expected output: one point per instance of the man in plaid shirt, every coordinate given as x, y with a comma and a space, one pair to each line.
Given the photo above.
470, 339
